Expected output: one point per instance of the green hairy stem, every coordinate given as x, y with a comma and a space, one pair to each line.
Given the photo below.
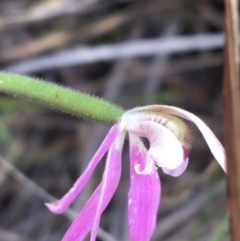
60, 98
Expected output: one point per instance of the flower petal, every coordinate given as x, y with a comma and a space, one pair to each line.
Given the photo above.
90, 215
84, 221
177, 171
144, 194
61, 205
110, 180
165, 149
175, 124
212, 141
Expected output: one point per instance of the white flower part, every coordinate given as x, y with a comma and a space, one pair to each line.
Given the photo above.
137, 144
177, 171
165, 149
148, 169
133, 117
212, 141
120, 140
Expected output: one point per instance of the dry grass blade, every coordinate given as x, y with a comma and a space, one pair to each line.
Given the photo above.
232, 115
58, 39
44, 10
123, 50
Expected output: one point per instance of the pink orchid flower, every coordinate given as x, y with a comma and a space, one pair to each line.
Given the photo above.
170, 143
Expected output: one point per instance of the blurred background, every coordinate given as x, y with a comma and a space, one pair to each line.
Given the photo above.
132, 53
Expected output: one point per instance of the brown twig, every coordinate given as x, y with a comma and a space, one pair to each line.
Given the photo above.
232, 115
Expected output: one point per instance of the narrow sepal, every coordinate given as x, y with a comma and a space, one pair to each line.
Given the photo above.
89, 217
61, 205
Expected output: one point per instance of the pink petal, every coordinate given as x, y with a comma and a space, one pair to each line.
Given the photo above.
61, 205
165, 149
212, 141
84, 221
176, 125
110, 180
90, 215
177, 171
143, 196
